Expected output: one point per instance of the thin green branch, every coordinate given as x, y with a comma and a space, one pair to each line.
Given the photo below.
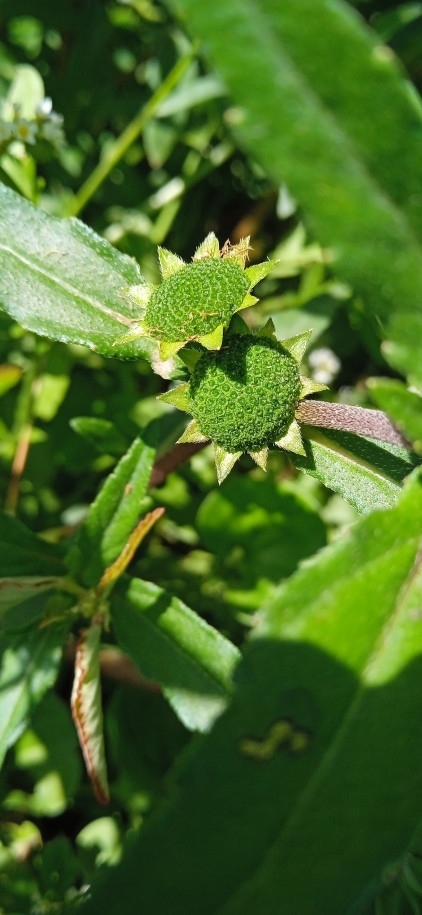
118, 149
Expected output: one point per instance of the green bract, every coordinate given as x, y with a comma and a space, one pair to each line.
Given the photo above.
195, 302
244, 397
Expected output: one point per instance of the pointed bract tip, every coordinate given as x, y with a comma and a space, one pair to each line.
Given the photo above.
224, 461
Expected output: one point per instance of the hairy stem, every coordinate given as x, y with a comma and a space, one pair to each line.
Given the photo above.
362, 421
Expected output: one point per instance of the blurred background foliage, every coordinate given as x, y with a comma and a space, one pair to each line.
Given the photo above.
73, 76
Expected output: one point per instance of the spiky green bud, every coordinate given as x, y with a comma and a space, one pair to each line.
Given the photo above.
244, 397
194, 301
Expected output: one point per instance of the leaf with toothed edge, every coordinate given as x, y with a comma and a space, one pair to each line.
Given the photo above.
114, 513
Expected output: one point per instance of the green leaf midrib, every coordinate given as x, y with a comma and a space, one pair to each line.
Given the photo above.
183, 652
36, 268
326, 761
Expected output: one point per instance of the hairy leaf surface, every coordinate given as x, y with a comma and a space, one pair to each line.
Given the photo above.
318, 752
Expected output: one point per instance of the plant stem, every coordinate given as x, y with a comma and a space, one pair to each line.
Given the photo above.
362, 421
22, 433
118, 149
174, 459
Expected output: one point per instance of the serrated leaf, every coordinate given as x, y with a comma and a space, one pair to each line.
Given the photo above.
29, 666
113, 514
361, 193
312, 769
61, 280
87, 710
403, 406
171, 644
23, 554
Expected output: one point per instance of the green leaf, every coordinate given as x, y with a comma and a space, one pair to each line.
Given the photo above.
61, 280
113, 514
87, 709
47, 754
258, 532
101, 433
171, 644
366, 473
317, 754
24, 554
353, 160
403, 406
23, 600
29, 666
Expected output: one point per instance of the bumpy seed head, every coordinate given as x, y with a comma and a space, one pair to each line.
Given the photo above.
195, 302
244, 397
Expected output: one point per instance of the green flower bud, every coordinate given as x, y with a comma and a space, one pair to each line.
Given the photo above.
194, 301
244, 397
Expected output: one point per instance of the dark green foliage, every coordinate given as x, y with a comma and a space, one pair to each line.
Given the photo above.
244, 396
266, 613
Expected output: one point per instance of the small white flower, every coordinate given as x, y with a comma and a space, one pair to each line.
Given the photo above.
324, 364
26, 131
43, 110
